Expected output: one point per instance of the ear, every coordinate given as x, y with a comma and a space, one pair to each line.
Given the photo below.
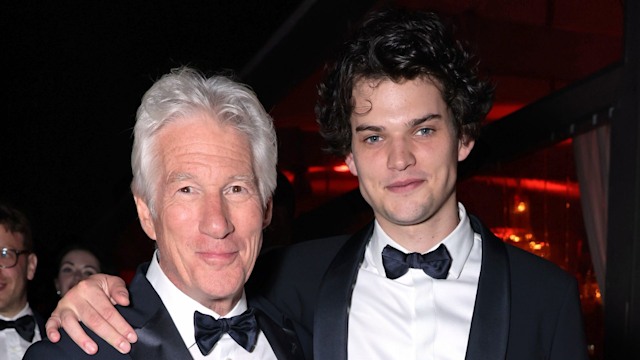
146, 220
32, 264
465, 145
351, 164
268, 213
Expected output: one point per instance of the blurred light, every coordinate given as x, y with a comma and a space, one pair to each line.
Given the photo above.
289, 175
316, 169
567, 189
521, 207
501, 110
341, 168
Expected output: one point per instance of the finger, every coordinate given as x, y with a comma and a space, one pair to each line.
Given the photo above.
52, 325
90, 303
116, 288
109, 325
76, 332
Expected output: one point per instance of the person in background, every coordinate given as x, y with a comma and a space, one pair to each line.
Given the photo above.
76, 262
204, 171
425, 280
20, 326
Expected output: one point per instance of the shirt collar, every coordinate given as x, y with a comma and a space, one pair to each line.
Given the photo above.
180, 306
26, 310
458, 243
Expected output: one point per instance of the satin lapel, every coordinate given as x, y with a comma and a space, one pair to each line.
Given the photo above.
490, 324
40, 323
331, 317
284, 342
159, 339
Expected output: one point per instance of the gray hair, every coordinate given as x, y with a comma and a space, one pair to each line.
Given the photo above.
184, 92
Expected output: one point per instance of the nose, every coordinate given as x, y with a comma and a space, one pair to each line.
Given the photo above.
215, 220
400, 155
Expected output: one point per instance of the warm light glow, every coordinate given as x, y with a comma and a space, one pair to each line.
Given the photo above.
500, 110
567, 189
521, 207
524, 240
341, 168
535, 246
289, 175
316, 169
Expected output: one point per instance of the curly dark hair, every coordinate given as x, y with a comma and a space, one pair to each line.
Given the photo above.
400, 45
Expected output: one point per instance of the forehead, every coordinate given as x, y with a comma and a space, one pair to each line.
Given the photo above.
391, 99
202, 140
9, 239
80, 254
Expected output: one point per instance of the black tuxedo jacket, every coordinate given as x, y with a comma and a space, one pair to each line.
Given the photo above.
39, 323
158, 338
526, 307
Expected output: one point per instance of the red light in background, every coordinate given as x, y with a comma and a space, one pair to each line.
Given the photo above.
501, 110
341, 168
290, 175
569, 189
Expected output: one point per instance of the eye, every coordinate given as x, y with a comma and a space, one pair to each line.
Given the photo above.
372, 139
186, 190
88, 273
239, 191
424, 131
66, 270
236, 189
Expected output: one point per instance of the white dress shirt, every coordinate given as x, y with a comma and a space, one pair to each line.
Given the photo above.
12, 345
181, 309
415, 316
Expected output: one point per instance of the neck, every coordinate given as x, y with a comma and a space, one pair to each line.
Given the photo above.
427, 234
14, 309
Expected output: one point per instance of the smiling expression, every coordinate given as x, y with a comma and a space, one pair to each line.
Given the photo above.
13, 280
405, 152
209, 217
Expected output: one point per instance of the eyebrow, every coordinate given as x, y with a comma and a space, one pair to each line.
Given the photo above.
424, 119
84, 267
178, 176
411, 123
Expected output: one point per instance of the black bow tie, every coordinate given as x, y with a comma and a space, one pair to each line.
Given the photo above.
435, 263
25, 326
242, 328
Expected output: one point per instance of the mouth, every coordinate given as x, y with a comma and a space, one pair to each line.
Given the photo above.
217, 256
404, 185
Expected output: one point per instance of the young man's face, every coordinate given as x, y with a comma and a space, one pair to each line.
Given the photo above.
13, 281
210, 217
405, 153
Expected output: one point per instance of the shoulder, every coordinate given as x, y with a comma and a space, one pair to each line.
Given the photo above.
66, 349
533, 280
301, 260
538, 274
521, 262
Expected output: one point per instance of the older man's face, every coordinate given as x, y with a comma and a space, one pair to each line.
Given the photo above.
209, 218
